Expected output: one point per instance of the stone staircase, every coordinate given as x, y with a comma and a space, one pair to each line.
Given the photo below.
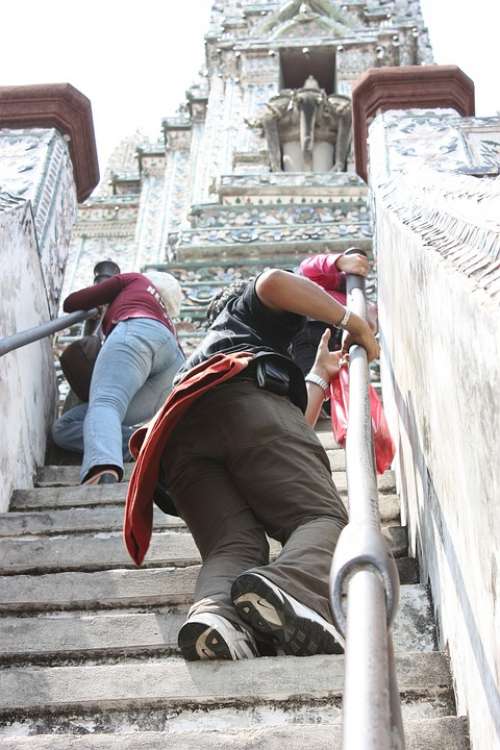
88, 643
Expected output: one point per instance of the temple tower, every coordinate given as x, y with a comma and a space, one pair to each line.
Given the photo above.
256, 167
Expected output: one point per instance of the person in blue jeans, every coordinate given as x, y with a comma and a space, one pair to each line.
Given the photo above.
133, 373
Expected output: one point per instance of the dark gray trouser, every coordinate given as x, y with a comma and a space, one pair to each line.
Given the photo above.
241, 464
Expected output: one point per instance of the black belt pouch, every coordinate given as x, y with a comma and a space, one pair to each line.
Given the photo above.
271, 377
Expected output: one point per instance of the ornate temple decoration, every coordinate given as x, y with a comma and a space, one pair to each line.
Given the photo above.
310, 18
216, 199
306, 129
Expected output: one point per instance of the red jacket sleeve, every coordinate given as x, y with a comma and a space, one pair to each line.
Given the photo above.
98, 294
322, 269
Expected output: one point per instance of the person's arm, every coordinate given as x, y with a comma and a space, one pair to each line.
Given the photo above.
95, 295
282, 291
326, 366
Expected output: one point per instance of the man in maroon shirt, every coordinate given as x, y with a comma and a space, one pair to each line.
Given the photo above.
133, 372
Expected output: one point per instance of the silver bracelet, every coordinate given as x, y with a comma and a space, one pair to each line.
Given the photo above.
345, 320
311, 377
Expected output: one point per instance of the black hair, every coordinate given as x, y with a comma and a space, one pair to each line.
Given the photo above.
224, 296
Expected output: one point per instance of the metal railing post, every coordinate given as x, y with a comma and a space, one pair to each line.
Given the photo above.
363, 568
17, 340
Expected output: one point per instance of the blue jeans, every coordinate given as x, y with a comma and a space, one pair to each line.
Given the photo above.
132, 376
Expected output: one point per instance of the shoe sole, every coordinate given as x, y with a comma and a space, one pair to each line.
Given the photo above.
273, 617
198, 641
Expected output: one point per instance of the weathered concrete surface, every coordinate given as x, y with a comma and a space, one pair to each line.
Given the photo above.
110, 588
110, 518
75, 521
106, 550
37, 168
68, 497
438, 239
174, 682
337, 459
447, 733
86, 635
28, 393
116, 588
37, 212
63, 496
64, 476
67, 476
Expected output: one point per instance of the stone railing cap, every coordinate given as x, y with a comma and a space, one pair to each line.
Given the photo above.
406, 87
60, 106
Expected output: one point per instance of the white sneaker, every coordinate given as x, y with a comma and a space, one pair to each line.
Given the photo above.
210, 636
271, 612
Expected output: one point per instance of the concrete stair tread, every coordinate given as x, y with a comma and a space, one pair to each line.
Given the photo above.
172, 682
67, 476
69, 496
84, 635
64, 476
110, 518
444, 733
116, 588
75, 521
106, 550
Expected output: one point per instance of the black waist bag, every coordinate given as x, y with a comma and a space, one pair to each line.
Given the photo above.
272, 377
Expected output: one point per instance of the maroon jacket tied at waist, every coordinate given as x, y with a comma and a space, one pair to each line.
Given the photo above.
148, 443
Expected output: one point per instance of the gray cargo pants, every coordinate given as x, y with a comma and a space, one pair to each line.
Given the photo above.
243, 463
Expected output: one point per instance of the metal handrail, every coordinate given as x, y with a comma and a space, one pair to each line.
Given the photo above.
364, 569
17, 340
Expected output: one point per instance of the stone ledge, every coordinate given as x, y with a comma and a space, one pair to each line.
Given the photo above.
406, 87
172, 684
61, 106
445, 733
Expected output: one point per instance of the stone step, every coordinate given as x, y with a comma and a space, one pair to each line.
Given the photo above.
445, 733
83, 635
67, 476
327, 439
79, 521
110, 518
112, 494
64, 476
173, 684
117, 588
106, 550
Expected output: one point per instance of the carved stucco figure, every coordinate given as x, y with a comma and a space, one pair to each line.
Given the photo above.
306, 129
309, 17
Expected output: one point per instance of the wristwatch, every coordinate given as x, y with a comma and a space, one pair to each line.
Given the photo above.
345, 320
311, 377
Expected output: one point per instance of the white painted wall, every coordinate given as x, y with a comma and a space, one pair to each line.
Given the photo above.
437, 238
27, 379
37, 212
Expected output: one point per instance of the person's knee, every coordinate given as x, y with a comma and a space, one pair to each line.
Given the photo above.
245, 543
59, 431
333, 518
113, 401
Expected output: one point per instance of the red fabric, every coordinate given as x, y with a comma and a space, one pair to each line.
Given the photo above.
129, 295
322, 269
339, 408
148, 443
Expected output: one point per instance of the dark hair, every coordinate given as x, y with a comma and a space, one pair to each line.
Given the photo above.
225, 295
104, 270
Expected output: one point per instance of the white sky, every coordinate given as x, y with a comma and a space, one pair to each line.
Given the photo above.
134, 60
